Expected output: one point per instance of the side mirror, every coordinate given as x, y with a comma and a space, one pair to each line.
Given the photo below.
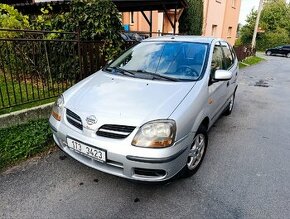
222, 75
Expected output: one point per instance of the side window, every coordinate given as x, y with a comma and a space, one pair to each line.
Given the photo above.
233, 53
217, 59
228, 59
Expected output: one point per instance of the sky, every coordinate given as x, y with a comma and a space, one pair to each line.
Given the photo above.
246, 8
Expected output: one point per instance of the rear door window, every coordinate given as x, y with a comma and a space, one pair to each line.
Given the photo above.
228, 56
217, 59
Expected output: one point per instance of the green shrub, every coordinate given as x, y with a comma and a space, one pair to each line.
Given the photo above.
23, 141
273, 39
97, 20
238, 42
10, 18
274, 22
191, 19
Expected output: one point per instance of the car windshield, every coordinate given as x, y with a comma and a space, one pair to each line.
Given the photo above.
176, 60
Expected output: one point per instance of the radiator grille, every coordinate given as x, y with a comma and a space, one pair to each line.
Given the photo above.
115, 131
74, 119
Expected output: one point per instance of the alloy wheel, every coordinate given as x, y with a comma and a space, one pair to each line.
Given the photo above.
231, 105
196, 151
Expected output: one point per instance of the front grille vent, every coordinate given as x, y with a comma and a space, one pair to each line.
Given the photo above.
149, 172
115, 131
74, 119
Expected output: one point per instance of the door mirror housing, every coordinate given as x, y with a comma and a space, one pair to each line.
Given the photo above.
222, 75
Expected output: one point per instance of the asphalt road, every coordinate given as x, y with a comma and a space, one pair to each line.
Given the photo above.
245, 174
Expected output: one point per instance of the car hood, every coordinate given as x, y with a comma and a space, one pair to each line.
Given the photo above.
125, 100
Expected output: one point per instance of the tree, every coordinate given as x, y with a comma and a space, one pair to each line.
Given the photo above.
248, 29
276, 14
191, 19
274, 24
10, 18
97, 20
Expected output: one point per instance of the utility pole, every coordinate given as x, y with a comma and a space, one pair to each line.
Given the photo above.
257, 24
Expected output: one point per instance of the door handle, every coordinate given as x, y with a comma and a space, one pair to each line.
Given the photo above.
228, 83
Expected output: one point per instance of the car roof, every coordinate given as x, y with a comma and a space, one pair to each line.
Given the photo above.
175, 38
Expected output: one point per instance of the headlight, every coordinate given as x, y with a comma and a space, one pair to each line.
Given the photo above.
156, 134
57, 108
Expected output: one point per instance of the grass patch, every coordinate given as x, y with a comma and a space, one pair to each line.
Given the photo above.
23, 141
22, 94
27, 105
252, 60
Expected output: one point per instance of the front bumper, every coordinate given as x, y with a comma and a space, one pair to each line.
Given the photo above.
123, 159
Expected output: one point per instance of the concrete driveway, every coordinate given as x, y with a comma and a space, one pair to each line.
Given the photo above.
245, 174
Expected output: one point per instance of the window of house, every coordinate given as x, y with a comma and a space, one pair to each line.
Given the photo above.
132, 17
234, 3
213, 30
230, 29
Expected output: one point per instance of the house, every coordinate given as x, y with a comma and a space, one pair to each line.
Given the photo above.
220, 16
137, 15
221, 19
161, 21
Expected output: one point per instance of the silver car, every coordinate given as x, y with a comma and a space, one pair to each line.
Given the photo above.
145, 116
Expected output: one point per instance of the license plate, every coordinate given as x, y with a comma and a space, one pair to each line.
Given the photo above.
86, 150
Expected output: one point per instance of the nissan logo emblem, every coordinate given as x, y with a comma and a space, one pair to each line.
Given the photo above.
91, 120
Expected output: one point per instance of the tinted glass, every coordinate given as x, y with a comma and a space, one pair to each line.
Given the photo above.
233, 53
217, 59
181, 60
228, 59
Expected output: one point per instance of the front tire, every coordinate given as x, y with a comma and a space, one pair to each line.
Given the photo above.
230, 105
196, 153
288, 55
268, 53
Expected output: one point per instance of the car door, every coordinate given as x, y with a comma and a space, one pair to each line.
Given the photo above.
217, 90
285, 50
278, 50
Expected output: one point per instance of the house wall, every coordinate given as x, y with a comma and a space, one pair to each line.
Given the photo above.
160, 21
139, 22
219, 15
231, 19
214, 11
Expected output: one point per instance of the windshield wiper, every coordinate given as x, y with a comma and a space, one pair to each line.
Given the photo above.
121, 70
157, 76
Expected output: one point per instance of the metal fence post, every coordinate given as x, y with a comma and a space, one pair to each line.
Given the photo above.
79, 53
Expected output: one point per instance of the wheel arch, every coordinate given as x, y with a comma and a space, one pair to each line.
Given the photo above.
205, 123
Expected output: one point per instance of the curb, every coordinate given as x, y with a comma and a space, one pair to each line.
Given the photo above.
26, 115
